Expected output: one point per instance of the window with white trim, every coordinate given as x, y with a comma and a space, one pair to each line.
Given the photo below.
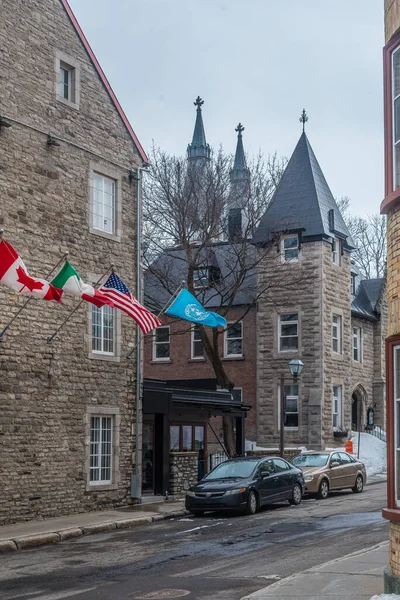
396, 116
290, 248
396, 382
357, 344
288, 332
67, 77
337, 406
196, 343
161, 343
67, 80
291, 393
337, 333
103, 330
104, 203
101, 447
233, 340
336, 251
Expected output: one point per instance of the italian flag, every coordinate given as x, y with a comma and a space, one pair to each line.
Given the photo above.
14, 275
69, 282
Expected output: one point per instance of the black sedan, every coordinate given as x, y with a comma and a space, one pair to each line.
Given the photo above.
245, 484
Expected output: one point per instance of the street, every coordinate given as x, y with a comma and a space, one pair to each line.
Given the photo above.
214, 557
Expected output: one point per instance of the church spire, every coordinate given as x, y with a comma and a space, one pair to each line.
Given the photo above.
198, 149
240, 172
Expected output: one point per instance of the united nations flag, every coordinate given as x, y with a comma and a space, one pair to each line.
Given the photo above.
187, 307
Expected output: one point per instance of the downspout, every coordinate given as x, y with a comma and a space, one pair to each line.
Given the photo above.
136, 488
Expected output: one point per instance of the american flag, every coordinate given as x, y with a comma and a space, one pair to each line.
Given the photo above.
123, 299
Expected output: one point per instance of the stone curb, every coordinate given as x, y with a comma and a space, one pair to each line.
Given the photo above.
55, 537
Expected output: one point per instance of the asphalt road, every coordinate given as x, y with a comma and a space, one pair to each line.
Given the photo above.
207, 558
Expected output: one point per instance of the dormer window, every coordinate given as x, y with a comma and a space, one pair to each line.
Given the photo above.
353, 284
201, 278
290, 248
336, 251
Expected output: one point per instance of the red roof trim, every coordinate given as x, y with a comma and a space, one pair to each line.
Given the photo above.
104, 79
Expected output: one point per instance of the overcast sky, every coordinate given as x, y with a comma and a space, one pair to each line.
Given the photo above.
255, 61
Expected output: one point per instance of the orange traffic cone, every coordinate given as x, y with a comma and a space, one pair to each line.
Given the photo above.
349, 447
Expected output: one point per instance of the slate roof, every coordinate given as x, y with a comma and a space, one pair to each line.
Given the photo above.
302, 202
172, 267
364, 302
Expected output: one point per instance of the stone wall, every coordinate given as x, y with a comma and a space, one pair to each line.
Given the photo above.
183, 469
392, 18
288, 453
47, 392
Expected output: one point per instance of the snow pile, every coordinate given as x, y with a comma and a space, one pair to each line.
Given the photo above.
386, 597
372, 452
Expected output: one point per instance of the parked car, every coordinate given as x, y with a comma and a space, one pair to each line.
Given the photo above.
325, 471
246, 484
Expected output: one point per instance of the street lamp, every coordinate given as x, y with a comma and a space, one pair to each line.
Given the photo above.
296, 368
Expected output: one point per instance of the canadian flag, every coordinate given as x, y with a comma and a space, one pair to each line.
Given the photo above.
14, 275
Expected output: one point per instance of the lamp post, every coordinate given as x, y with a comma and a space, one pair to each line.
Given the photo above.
296, 368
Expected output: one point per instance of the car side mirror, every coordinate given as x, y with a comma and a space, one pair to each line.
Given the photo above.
334, 464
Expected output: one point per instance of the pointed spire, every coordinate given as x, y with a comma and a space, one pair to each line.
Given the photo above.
199, 149
240, 172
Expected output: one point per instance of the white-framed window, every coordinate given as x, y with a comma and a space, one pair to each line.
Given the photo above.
67, 80
288, 332
337, 406
161, 343
337, 333
104, 203
336, 251
103, 330
291, 393
396, 116
196, 343
233, 340
357, 344
290, 248
201, 278
353, 283
101, 447
396, 427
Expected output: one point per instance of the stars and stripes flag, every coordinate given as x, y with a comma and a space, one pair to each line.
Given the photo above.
123, 299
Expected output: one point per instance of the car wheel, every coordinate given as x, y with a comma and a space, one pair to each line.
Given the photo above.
359, 485
252, 504
197, 513
296, 495
323, 490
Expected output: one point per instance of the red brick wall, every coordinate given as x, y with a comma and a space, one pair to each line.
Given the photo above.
181, 366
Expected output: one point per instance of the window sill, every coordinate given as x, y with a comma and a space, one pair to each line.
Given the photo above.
106, 487
106, 357
66, 102
161, 362
228, 358
336, 355
196, 360
108, 236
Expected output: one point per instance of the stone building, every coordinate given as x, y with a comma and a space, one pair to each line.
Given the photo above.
68, 163
333, 321
391, 207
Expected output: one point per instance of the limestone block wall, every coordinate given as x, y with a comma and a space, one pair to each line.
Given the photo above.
294, 287
392, 18
182, 469
48, 391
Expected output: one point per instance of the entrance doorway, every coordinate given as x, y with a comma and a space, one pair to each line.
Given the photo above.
354, 413
358, 401
148, 459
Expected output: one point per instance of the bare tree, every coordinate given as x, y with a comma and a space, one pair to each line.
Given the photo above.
369, 236
199, 221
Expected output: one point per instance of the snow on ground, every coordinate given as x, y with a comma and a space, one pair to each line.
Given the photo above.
386, 597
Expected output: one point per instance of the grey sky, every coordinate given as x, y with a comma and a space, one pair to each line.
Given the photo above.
255, 61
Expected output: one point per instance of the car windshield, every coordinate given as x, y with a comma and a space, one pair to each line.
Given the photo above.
310, 460
240, 468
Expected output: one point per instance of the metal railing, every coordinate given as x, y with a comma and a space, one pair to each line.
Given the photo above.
216, 458
378, 432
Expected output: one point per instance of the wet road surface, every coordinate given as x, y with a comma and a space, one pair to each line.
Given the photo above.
210, 558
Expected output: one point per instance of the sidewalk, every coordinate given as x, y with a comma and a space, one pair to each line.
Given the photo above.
51, 531
357, 576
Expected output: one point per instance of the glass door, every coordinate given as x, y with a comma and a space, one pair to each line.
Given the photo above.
148, 459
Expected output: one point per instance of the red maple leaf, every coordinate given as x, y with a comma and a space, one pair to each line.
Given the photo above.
28, 281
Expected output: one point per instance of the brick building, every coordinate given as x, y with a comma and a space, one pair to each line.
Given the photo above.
334, 322
68, 191
391, 207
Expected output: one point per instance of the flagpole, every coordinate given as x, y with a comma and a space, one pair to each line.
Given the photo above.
73, 311
179, 288
29, 299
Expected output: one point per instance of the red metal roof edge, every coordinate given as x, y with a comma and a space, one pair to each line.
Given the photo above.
104, 79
